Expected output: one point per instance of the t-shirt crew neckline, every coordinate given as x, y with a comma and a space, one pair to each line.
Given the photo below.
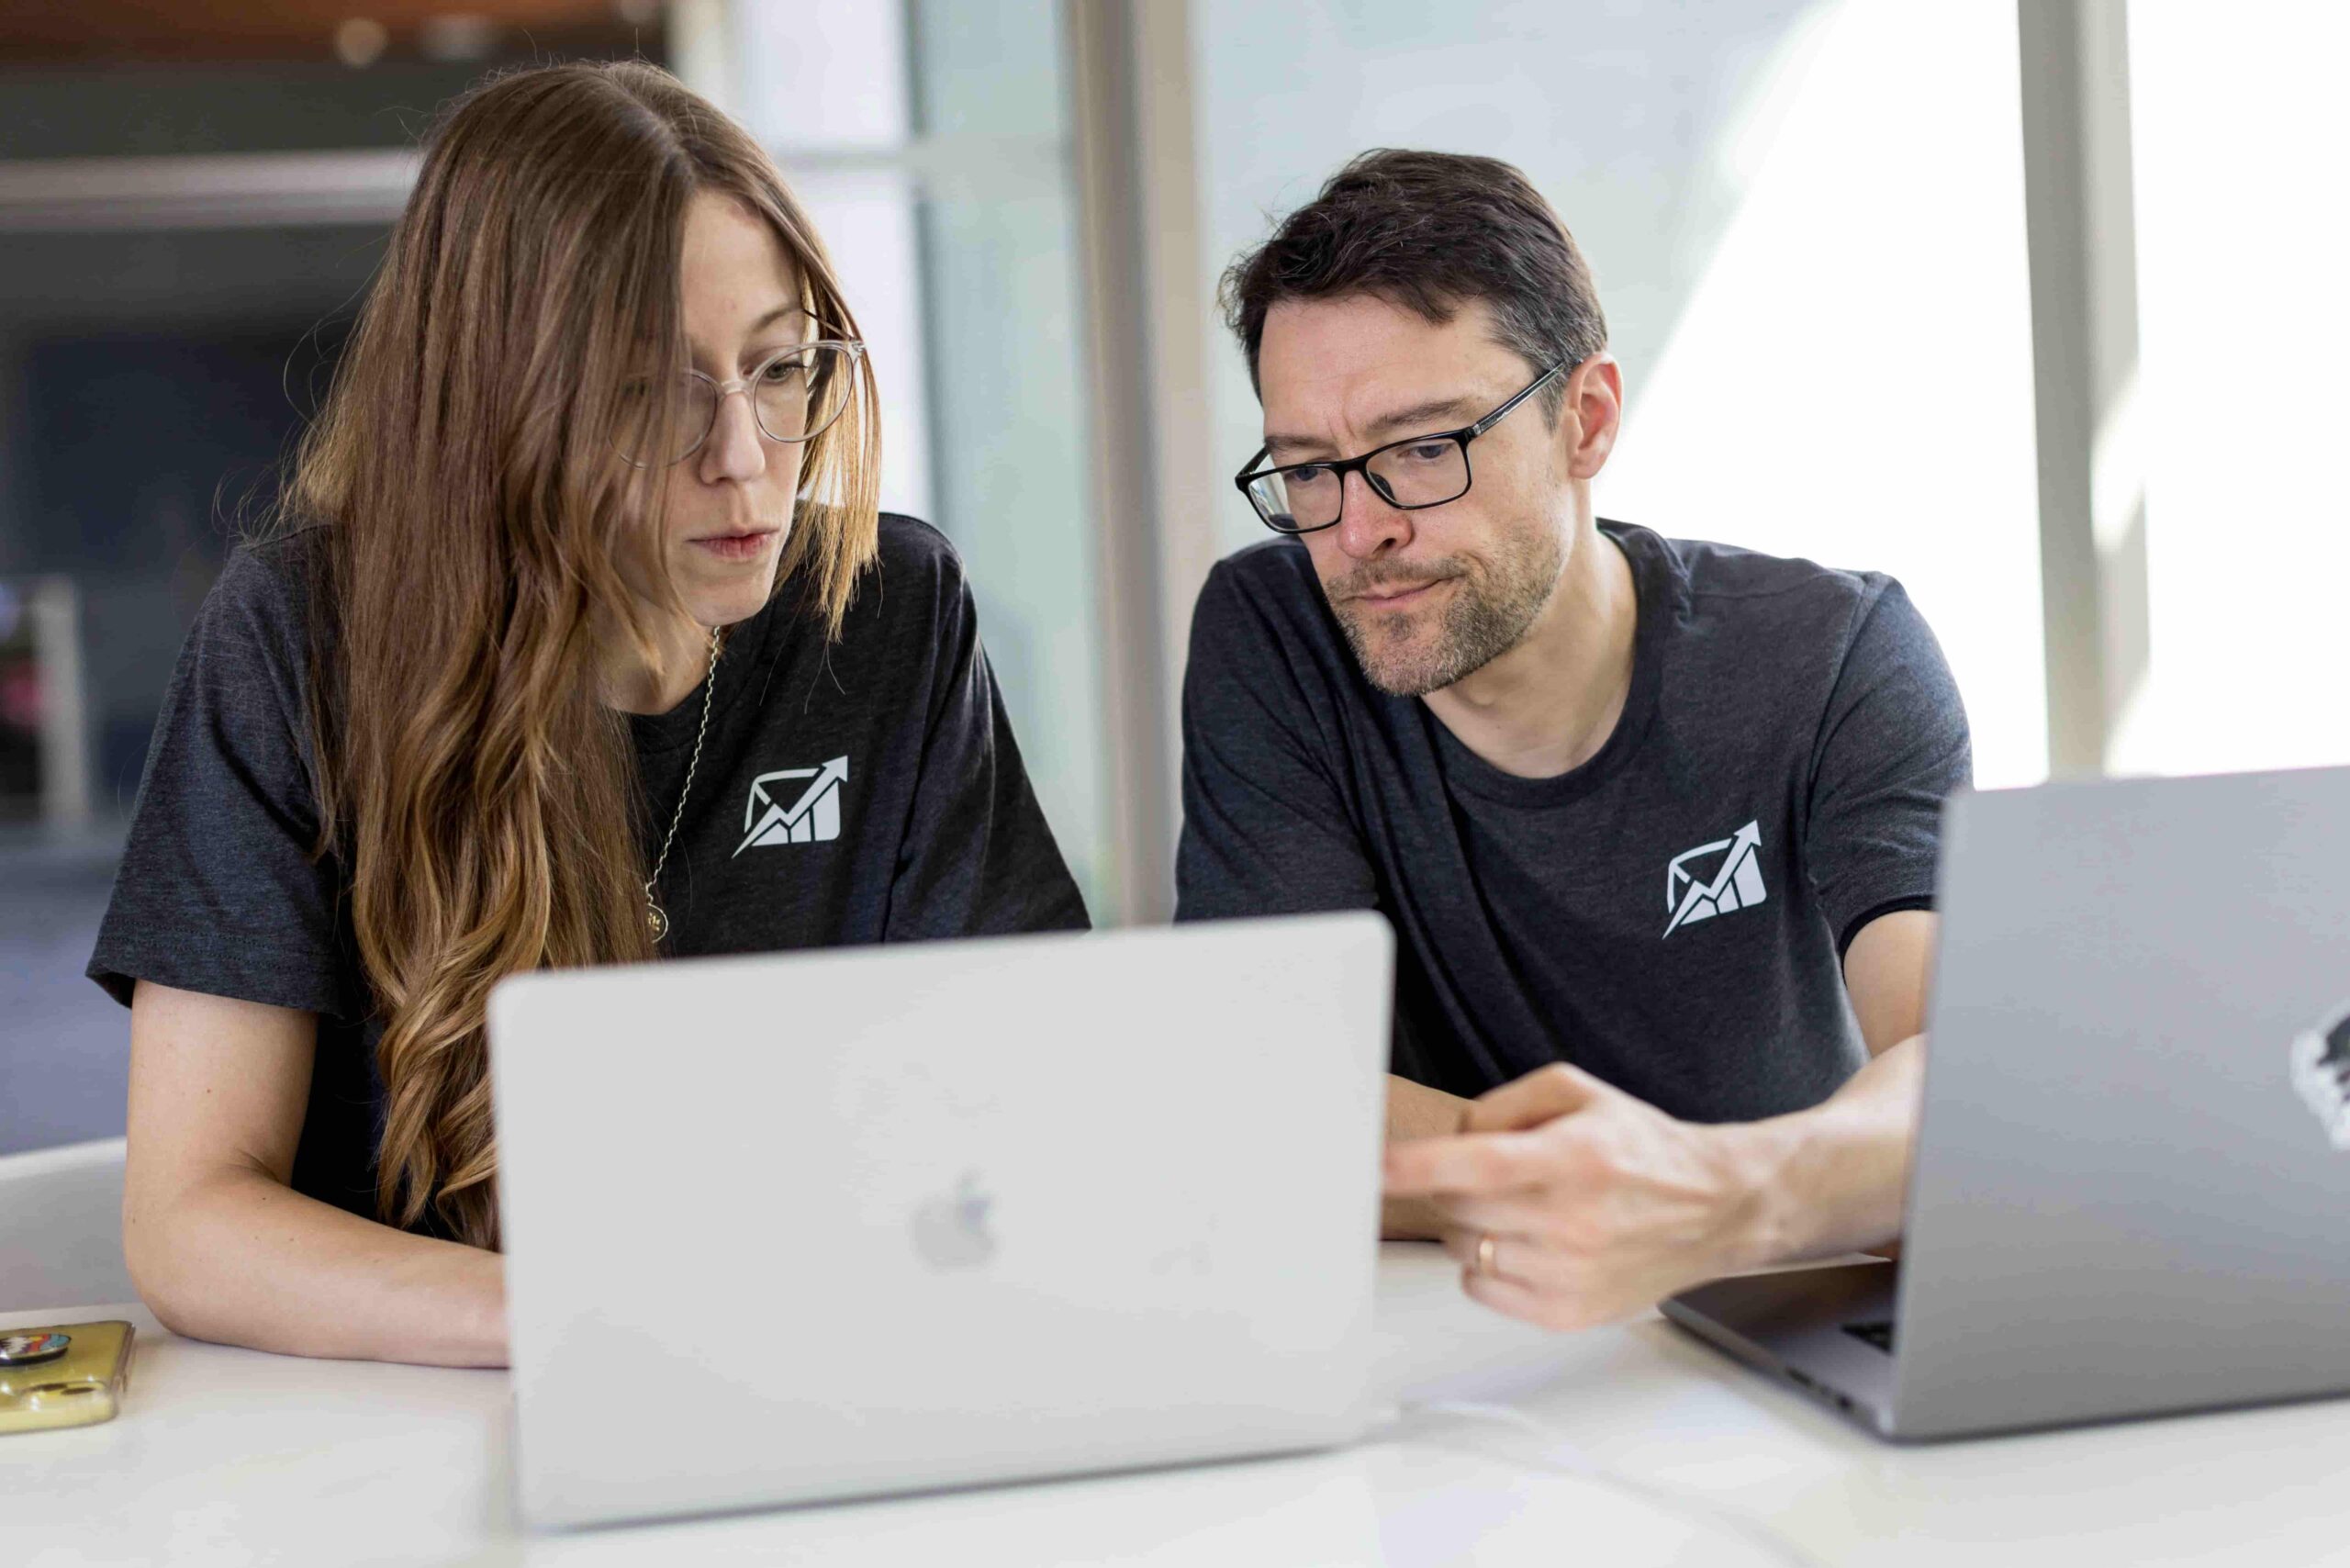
1658, 591
744, 651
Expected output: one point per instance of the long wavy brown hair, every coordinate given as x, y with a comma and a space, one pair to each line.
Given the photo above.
471, 774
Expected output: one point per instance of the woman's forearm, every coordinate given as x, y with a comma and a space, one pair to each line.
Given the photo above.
241, 1259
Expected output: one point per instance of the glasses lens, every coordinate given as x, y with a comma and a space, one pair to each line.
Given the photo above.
1422, 472
1296, 499
798, 394
689, 404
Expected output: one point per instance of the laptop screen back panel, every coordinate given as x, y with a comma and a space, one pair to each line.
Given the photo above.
812, 1226
2121, 1203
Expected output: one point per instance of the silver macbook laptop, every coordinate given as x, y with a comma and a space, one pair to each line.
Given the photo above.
824, 1224
2131, 1189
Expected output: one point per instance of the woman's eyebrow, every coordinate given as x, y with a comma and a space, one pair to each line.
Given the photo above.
777, 314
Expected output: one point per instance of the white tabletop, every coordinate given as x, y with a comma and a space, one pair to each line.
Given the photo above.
223, 1456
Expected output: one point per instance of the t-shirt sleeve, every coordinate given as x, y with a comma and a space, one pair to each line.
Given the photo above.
1891, 748
1266, 828
979, 858
218, 889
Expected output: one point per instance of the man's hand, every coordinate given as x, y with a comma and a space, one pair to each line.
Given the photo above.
1597, 1204
1570, 1203
1416, 1111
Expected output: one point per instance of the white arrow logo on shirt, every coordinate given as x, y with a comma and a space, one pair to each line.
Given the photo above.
813, 818
1736, 885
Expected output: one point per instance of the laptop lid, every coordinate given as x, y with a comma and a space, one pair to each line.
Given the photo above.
814, 1224
2125, 1198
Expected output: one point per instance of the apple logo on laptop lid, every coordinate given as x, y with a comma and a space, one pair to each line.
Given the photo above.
951, 1231
2322, 1073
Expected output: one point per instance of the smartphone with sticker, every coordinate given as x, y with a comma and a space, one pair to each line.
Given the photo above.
70, 1374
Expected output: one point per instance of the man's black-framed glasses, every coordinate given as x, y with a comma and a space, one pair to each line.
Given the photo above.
1419, 471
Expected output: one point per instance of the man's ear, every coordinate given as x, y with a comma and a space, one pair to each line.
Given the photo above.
1593, 414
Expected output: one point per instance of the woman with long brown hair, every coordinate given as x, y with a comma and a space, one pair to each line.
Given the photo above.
578, 640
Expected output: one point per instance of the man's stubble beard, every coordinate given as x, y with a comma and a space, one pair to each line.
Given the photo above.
1489, 614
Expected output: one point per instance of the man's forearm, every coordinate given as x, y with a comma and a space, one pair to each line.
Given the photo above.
1831, 1179
1415, 1111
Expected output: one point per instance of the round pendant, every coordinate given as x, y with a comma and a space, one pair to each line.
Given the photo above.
656, 922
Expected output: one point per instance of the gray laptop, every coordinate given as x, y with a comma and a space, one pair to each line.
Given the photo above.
2132, 1190
815, 1225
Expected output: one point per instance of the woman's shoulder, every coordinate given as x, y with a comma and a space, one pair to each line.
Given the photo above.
266, 595
911, 549
276, 574
916, 582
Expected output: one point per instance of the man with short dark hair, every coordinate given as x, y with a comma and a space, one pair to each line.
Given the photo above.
1655, 821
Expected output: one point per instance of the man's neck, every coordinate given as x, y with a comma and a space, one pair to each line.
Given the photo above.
1548, 705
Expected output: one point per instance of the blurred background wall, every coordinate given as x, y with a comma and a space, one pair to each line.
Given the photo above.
2026, 304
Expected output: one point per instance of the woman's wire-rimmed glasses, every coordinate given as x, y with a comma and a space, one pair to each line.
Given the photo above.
1418, 471
796, 393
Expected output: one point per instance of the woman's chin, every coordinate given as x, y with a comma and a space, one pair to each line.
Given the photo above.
733, 607
722, 598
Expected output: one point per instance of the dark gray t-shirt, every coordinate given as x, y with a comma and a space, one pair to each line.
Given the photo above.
1672, 914
868, 791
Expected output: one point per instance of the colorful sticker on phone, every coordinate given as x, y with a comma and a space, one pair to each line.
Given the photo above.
24, 1349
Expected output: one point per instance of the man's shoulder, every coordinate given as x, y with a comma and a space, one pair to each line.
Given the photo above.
1265, 645
1718, 570
1276, 565
1776, 596
1269, 584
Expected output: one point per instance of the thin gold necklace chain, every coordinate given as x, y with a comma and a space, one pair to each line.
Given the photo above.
655, 916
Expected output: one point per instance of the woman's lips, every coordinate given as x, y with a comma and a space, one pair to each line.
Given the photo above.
735, 547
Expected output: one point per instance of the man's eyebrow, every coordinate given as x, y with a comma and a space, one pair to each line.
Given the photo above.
1420, 419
